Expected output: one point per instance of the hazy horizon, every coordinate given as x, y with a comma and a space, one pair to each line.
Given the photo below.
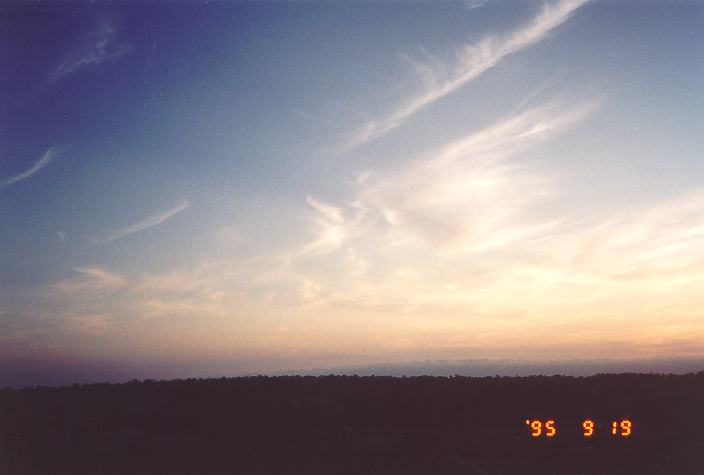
28, 373
230, 188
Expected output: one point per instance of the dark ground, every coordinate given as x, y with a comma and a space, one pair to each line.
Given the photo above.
337, 424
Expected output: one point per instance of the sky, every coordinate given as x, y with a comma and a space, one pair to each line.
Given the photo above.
235, 188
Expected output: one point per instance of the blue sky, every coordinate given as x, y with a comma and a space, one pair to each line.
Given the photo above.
246, 187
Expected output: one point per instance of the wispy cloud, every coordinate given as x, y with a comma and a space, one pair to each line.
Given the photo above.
471, 61
100, 46
474, 4
41, 163
146, 223
96, 324
659, 244
90, 280
400, 241
467, 196
330, 230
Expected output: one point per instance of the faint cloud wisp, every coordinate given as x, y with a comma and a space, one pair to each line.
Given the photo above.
41, 163
100, 46
146, 223
91, 280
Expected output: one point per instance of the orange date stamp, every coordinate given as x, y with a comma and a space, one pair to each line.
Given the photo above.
548, 428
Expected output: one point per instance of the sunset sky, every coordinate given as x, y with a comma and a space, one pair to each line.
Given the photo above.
231, 188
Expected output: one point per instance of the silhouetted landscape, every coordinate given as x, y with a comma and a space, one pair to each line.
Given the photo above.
350, 424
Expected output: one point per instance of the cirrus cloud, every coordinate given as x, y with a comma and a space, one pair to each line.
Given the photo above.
99, 46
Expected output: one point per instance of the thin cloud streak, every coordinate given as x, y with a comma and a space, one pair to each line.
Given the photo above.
41, 163
100, 46
474, 4
147, 223
90, 281
472, 60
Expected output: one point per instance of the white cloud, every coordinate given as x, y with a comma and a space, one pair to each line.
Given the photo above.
330, 229
41, 163
418, 235
146, 223
100, 46
467, 196
471, 61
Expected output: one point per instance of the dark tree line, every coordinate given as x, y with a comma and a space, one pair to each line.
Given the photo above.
350, 424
